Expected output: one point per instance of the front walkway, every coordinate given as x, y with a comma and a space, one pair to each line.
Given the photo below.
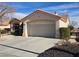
24, 47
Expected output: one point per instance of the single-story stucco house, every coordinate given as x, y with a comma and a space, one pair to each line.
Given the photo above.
43, 24
8, 23
4, 24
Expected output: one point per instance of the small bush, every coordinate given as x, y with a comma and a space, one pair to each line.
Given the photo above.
7, 29
71, 27
64, 33
3, 31
0, 32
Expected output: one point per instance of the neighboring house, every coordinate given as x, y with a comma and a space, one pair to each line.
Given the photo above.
8, 23
5, 24
14, 22
43, 24
75, 33
12, 25
75, 30
15, 25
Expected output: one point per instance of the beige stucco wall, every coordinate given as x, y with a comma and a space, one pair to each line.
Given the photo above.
25, 33
3, 27
57, 29
43, 21
63, 24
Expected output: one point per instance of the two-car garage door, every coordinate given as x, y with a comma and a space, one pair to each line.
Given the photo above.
41, 28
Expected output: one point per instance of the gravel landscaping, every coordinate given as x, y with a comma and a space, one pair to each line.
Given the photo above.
66, 50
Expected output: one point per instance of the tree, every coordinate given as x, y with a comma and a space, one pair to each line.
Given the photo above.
64, 34
71, 27
5, 9
73, 23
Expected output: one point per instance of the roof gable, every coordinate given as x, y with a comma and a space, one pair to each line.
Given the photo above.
14, 20
64, 19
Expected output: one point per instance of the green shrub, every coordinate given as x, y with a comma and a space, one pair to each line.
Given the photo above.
71, 27
0, 32
7, 29
64, 33
3, 31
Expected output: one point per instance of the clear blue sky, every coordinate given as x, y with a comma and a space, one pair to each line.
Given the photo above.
72, 8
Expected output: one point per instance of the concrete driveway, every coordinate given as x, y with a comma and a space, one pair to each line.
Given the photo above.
18, 46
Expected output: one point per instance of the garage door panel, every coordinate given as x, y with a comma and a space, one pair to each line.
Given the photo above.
43, 30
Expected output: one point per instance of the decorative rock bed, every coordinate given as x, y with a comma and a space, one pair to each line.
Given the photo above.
65, 50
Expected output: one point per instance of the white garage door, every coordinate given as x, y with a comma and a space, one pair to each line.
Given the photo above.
41, 28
